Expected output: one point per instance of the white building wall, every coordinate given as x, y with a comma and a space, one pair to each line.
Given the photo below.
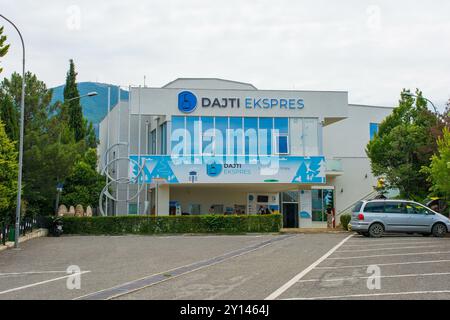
346, 140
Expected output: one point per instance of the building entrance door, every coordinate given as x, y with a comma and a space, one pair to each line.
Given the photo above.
290, 215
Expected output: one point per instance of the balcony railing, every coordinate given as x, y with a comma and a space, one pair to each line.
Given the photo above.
334, 165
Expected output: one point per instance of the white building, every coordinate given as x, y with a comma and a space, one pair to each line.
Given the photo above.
199, 146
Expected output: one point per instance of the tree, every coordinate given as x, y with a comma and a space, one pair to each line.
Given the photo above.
10, 116
37, 98
403, 145
8, 175
91, 138
84, 184
74, 110
439, 170
3, 46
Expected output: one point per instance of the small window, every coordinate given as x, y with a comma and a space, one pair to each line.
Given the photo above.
357, 207
394, 207
282, 143
374, 207
413, 208
132, 208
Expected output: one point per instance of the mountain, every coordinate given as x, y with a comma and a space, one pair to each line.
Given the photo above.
94, 108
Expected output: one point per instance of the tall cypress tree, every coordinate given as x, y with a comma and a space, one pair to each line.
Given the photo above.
3, 46
74, 110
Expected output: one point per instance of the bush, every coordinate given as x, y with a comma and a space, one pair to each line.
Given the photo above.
345, 220
171, 224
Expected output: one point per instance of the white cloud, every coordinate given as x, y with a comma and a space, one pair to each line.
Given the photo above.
370, 48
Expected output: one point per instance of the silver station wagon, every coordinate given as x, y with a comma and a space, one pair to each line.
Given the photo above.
372, 218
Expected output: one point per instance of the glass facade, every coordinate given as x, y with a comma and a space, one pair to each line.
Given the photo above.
322, 201
244, 136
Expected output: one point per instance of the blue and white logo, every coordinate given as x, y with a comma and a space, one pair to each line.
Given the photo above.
187, 101
213, 169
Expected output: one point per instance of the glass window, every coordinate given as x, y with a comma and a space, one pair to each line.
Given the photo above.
317, 206
394, 207
132, 208
163, 139
235, 136
357, 207
282, 125
193, 135
207, 135
310, 137
374, 207
414, 208
290, 196
251, 136
373, 129
282, 144
220, 135
265, 136
177, 134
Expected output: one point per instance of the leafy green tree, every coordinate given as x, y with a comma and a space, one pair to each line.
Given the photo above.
439, 169
403, 145
84, 184
3, 46
10, 116
75, 112
8, 175
37, 98
91, 138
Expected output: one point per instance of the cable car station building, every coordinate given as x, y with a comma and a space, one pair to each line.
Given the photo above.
213, 146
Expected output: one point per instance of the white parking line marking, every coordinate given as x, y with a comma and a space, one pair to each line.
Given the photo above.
42, 282
390, 243
299, 276
387, 240
382, 264
389, 255
29, 273
396, 248
373, 295
388, 276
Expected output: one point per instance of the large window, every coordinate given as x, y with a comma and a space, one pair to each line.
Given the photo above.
265, 135
163, 140
322, 201
243, 136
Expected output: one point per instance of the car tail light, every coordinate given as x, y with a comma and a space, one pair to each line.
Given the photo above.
360, 216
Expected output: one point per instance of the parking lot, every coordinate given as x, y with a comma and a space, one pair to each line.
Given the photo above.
294, 266
408, 267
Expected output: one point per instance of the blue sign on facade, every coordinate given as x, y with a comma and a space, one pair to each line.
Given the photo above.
187, 101
267, 169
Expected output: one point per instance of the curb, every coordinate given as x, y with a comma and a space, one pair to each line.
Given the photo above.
32, 235
312, 231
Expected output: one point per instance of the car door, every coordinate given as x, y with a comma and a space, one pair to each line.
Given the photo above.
397, 219
421, 218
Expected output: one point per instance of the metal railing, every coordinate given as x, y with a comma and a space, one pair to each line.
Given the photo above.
7, 232
369, 195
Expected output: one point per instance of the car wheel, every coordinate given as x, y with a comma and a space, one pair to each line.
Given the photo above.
376, 230
439, 230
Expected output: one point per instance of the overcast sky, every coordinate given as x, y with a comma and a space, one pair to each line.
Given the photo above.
372, 49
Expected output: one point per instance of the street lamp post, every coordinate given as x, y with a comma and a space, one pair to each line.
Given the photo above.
89, 94
22, 112
428, 100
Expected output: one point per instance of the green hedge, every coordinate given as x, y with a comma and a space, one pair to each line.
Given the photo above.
345, 220
172, 224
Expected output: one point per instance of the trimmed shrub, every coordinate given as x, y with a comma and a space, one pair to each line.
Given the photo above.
345, 220
118, 225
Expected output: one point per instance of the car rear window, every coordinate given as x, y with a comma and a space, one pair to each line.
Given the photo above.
375, 207
395, 207
357, 207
